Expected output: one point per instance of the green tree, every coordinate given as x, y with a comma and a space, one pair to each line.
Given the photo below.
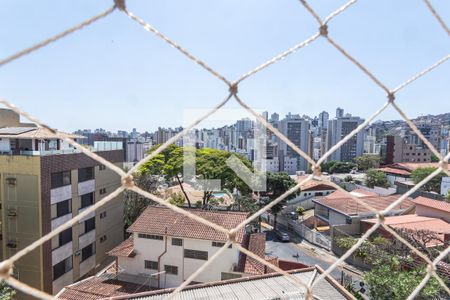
342, 167
278, 184
434, 158
376, 178
434, 185
6, 292
368, 161
212, 164
177, 199
169, 164
390, 282
135, 203
325, 167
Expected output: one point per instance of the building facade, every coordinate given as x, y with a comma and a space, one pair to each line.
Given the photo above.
338, 129
42, 189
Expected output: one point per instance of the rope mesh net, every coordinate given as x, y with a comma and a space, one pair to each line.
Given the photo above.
127, 182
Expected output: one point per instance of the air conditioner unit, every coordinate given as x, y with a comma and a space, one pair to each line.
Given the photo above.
12, 212
77, 253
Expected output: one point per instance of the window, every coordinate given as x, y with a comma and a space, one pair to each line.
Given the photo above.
62, 268
217, 244
87, 200
102, 167
152, 265
103, 238
150, 236
177, 242
103, 215
195, 254
63, 208
85, 174
60, 179
87, 251
171, 269
102, 191
89, 225
65, 237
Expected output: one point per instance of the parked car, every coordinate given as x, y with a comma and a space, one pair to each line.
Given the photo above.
282, 235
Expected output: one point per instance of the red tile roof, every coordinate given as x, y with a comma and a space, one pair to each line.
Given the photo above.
436, 204
156, 219
257, 245
100, 287
314, 185
415, 222
341, 202
419, 223
126, 248
395, 171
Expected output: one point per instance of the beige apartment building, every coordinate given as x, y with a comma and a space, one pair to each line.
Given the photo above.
398, 151
44, 182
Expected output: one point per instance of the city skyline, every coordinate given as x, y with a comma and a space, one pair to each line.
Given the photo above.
92, 80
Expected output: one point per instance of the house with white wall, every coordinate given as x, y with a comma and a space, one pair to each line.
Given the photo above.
166, 247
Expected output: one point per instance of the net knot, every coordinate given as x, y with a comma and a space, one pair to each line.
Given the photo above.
431, 269
127, 181
317, 170
120, 4
233, 88
391, 97
380, 216
5, 269
443, 164
232, 236
323, 30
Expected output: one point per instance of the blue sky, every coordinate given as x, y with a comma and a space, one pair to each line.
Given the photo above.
115, 75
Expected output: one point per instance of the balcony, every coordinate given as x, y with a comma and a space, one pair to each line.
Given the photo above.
86, 239
86, 187
61, 253
61, 220
60, 194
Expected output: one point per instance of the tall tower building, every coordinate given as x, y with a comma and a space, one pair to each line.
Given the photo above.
296, 129
338, 129
323, 120
339, 112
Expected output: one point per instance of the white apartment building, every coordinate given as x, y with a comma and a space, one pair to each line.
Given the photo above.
166, 247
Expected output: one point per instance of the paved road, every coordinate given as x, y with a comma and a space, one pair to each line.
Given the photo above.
286, 251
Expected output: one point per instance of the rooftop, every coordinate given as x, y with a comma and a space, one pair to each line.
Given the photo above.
343, 203
32, 133
415, 222
268, 286
99, 287
313, 184
157, 219
436, 204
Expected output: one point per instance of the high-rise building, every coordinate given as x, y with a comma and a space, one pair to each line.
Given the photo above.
296, 130
339, 112
338, 129
323, 120
397, 151
274, 117
44, 182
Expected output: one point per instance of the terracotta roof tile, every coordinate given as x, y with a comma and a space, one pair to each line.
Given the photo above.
155, 219
345, 204
257, 245
314, 185
395, 171
126, 248
100, 287
415, 222
436, 204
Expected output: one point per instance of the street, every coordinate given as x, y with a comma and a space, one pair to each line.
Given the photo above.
286, 251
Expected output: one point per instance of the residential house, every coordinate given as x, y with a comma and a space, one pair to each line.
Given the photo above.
340, 208
173, 246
